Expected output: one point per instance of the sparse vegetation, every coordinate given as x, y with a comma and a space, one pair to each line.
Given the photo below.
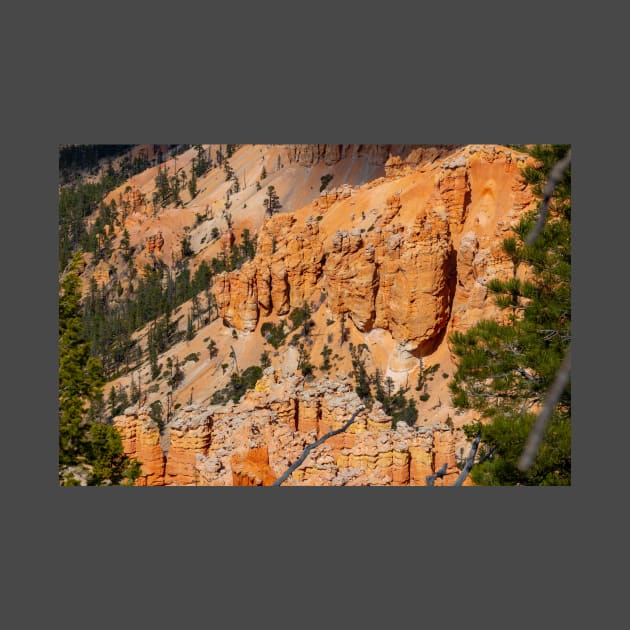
238, 385
361, 377
342, 329
155, 414
265, 360
177, 376
274, 333
304, 364
300, 315
325, 180
326, 364
394, 403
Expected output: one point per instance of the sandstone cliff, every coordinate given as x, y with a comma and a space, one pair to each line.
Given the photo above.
141, 440
404, 259
254, 442
404, 265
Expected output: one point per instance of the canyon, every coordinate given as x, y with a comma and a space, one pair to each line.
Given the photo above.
390, 259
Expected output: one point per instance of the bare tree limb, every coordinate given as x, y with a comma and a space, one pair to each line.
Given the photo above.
488, 455
438, 473
554, 179
315, 444
553, 396
469, 461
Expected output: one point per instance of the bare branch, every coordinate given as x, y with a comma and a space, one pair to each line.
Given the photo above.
554, 179
488, 455
309, 448
538, 430
469, 461
438, 473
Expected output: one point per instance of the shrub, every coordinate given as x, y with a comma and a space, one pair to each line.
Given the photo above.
325, 180
300, 316
265, 360
193, 356
274, 334
238, 385
156, 413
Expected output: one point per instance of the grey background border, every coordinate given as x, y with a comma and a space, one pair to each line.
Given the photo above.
383, 556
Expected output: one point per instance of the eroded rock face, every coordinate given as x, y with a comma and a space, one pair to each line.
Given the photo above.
154, 243
190, 435
394, 278
237, 297
419, 157
101, 273
254, 442
285, 272
140, 437
414, 264
403, 272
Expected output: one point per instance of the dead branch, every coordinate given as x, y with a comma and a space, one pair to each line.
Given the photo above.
315, 444
469, 461
553, 396
438, 473
554, 179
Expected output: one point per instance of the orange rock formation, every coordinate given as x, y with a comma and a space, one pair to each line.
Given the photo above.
141, 440
400, 274
154, 243
254, 442
405, 258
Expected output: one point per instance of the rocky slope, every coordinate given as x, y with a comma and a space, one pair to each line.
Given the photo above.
398, 249
254, 442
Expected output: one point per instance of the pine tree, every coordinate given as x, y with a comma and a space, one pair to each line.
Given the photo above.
265, 360
162, 186
190, 329
272, 201
78, 372
125, 245
229, 172
153, 355
156, 413
192, 182
505, 370
92, 446
326, 364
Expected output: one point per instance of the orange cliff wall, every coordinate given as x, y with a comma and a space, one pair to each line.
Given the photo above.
140, 437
